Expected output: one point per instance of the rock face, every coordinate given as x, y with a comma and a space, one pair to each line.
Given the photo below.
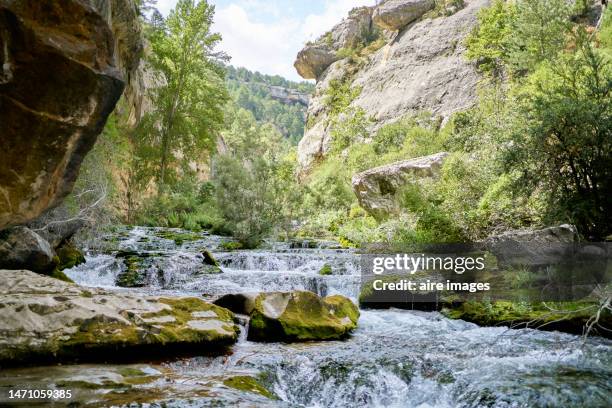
301, 316
44, 319
396, 14
422, 69
533, 247
376, 188
289, 96
21, 248
61, 77
317, 56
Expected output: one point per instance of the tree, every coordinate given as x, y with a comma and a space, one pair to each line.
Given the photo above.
563, 137
189, 102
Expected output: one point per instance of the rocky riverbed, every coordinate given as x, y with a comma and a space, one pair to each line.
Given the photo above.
393, 357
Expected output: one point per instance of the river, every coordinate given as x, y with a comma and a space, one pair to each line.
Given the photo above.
395, 358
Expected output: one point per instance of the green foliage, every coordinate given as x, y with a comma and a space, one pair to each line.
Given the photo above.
252, 91
517, 36
562, 138
191, 93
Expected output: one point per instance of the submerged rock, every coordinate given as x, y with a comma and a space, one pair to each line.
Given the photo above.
47, 320
301, 316
376, 188
22, 248
396, 14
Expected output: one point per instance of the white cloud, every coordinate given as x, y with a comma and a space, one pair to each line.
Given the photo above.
271, 47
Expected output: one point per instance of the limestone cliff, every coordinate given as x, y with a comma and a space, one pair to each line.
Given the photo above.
420, 67
63, 65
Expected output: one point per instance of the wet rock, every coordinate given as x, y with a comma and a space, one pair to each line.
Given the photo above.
22, 248
61, 77
397, 14
241, 303
69, 256
301, 316
44, 319
376, 188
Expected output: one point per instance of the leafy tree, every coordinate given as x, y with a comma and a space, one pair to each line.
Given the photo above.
563, 137
188, 102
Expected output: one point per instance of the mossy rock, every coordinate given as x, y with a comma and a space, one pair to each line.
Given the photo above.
301, 316
231, 246
179, 237
133, 276
69, 256
569, 317
248, 384
325, 270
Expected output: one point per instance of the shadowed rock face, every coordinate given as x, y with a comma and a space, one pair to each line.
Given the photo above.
59, 81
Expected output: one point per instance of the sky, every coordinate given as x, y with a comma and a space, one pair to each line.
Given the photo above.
266, 35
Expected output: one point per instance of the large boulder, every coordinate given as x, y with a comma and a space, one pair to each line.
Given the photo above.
315, 57
423, 69
22, 248
63, 70
532, 248
47, 320
376, 189
397, 14
301, 316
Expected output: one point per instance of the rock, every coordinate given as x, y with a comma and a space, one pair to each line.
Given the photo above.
312, 60
69, 256
325, 270
315, 57
422, 69
241, 303
61, 77
301, 316
20, 248
397, 14
57, 226
533, 247
47, 320
289, 96
376, 188
569, 317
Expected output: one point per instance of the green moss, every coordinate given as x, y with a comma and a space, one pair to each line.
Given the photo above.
231, 246
130, 372
69, 256
131, 277
178, 237
325, 270
570, 317
57, 274
248, 384
306, 317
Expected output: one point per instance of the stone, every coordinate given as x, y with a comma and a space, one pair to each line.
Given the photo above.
421, 69
64, 67
313, 60
301, 316
532, 248
22, 248
47, 320
397, 14
315, 57
376, 189
241, 303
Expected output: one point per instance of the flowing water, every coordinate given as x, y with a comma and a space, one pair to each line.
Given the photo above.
395, 358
